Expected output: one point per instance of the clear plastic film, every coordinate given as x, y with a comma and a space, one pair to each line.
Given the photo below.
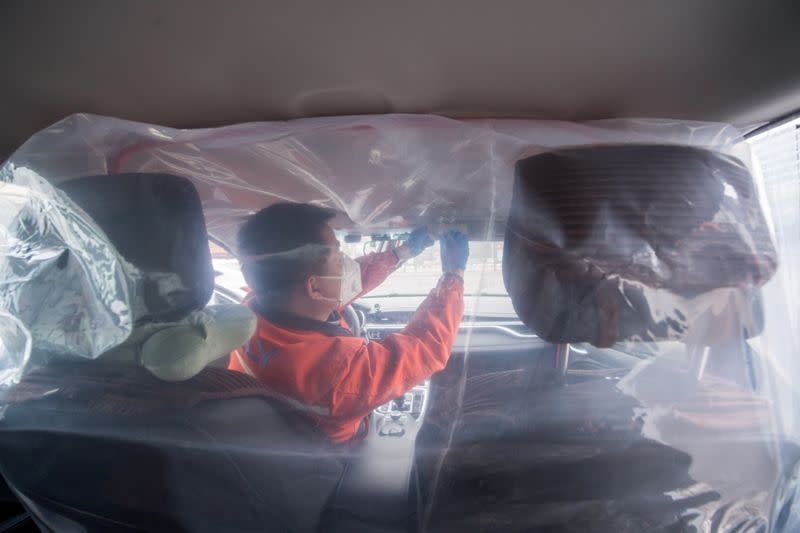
636, 242
380, 171
62, 280
70, 282
679, 416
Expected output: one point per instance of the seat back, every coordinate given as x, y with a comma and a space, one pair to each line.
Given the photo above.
142, 437
233, 464
474, 398
604, 245
607, 244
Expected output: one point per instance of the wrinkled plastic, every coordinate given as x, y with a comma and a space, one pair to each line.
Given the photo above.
15, 348
696, 433
380, 171
61, 278
155, 223
636, 242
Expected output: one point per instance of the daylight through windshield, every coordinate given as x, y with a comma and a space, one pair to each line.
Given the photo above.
483, 275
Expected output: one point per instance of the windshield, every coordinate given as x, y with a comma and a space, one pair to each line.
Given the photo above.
485, 293
415, 277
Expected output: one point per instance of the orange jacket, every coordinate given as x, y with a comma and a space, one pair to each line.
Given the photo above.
338, 379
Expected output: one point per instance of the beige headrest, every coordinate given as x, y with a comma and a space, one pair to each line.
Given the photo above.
179, 351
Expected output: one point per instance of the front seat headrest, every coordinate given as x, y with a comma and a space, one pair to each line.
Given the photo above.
156, 223
114, 267
178, 351
612, 243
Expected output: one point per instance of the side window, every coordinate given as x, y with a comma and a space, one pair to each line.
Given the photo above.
229, 284
778, 155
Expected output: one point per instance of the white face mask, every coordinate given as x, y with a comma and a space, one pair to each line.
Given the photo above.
349, 281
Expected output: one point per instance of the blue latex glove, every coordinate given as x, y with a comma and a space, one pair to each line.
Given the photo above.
455, 251
418, 241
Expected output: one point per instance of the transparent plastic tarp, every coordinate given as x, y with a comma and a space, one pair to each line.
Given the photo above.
626, 361
57, 265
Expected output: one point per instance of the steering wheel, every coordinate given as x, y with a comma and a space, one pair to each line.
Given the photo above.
355, 320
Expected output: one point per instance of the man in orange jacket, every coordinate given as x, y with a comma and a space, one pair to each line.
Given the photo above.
299, 280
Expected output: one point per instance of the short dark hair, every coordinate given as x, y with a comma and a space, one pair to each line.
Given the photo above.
282, 227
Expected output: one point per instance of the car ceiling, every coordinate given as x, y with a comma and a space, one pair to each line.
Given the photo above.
200, 63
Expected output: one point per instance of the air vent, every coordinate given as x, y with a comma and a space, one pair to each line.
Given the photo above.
376, 334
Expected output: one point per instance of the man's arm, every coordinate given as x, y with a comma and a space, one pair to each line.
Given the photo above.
380, 371
376, 267
383, 370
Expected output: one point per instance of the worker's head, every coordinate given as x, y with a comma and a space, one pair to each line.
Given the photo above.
291, 260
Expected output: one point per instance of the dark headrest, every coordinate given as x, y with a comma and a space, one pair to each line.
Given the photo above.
155, 221
591, 230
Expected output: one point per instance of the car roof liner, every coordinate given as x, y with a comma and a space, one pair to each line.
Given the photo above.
200, 64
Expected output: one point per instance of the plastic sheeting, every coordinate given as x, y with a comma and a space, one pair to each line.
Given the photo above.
518, 434
380, 171
636, 242
61, 277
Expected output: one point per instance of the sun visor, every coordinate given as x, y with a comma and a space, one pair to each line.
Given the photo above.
635, 242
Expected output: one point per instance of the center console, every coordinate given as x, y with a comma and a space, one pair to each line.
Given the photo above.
401, 416
375, 486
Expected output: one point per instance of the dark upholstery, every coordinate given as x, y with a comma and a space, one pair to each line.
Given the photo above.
155, 221
591, 227
106, 446
238, 464
528, 455
494, 386
512, 448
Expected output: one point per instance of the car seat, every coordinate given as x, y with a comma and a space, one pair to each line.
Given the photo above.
472, 399
144, 437
646, 448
